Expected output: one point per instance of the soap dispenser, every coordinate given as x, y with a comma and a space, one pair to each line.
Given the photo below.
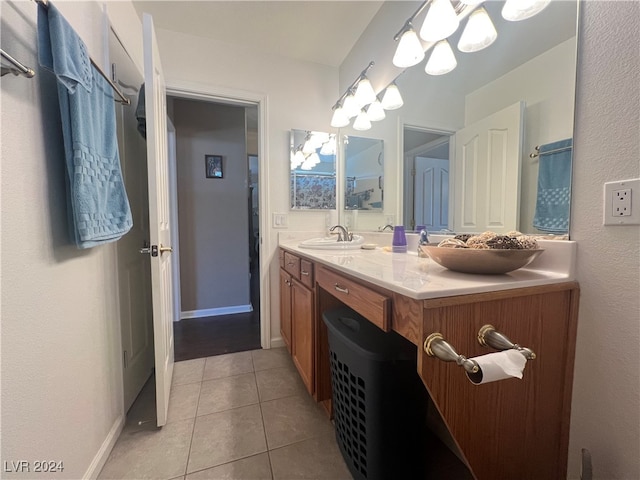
423, 240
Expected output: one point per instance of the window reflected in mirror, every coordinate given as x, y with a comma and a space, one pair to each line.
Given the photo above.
364, 173
313, 170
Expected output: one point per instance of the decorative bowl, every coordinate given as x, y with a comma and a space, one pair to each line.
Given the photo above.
487, 262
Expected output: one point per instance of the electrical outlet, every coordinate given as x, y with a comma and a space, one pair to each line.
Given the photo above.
619, 206
622, 202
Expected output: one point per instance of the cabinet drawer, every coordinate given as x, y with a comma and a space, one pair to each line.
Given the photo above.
374, 306
281, 258
292, 264
306, 273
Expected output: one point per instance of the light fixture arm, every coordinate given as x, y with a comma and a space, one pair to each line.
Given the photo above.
409, 23
349, 90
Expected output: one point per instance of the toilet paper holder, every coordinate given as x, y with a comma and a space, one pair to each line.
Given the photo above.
488, 336
436, 346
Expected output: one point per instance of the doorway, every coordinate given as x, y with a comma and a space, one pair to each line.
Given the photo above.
426, 168
218, 227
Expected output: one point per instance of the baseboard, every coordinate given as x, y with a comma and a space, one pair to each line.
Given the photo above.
103, 454
213, 312
277, 342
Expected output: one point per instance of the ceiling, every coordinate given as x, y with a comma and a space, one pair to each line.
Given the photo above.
316, 31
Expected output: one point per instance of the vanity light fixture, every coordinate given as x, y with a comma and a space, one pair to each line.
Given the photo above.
350, 106
339, 118
375, 112
479, 32
410, 51
362, 122
392, 98
297, 159
364, 92
329, 147
442, 59
440, 22
359, 94
516, 10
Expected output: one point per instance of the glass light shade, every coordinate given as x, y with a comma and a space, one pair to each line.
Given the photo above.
319, 138
410, 51
442, 59
298, 159
307, 165
362, 122
339, 118
375, 112
313, 159
471, 2
440, 22
364, 92
350, 106
329, 147
308, 147
516, 10
392, 98
479, 32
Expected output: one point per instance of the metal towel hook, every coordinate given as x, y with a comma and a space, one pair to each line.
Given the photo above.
436, 346
488, 336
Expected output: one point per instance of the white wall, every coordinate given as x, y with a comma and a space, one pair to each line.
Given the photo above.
61, 349
299, 95
547, 86
605, 415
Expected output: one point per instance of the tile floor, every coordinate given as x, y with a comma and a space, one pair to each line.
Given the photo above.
242, 415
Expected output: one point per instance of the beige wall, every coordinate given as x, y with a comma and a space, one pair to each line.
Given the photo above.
61, 349
213, 212
605, 415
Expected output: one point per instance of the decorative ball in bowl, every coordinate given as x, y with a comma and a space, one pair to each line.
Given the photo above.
487, 253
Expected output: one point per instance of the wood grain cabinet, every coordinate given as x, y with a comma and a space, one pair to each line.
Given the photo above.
297, 314
507, 429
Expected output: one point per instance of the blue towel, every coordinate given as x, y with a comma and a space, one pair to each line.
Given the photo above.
98, 207
554, 187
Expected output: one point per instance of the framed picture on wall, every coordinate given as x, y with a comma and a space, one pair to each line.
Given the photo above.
213, 164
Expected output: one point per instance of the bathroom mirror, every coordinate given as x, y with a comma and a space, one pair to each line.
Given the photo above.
532, 61
313, 170
364, 173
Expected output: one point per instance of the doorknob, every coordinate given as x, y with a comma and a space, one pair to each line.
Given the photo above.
165, 249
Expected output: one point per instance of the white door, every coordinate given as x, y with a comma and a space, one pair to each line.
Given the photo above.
486, 173
134, 274
159, 215
431, 193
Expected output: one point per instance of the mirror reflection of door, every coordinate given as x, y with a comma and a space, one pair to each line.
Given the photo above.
426, 182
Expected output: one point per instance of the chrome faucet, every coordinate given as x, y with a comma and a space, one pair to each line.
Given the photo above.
388, 225
343, 235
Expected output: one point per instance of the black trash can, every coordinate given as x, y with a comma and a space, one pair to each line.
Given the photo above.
379, 401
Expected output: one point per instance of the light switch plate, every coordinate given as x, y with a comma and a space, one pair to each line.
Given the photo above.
622, 202
280, 220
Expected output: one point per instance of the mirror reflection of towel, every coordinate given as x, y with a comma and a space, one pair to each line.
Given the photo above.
554, 187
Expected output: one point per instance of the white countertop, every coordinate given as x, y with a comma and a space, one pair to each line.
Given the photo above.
422, 278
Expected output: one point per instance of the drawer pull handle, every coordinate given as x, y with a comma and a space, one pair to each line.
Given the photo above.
488, 336
306, 274
341, 289
291, 264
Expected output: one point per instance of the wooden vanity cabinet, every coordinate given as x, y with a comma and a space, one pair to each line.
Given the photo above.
514, 428
297, 314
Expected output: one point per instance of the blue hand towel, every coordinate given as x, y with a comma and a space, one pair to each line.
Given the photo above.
98, 207
554, 187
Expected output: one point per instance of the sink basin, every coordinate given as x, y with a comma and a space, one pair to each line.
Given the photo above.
331, 243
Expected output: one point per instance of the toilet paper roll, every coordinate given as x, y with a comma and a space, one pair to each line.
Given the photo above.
498, 366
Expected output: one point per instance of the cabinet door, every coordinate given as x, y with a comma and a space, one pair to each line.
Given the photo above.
285, 308
302, 320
